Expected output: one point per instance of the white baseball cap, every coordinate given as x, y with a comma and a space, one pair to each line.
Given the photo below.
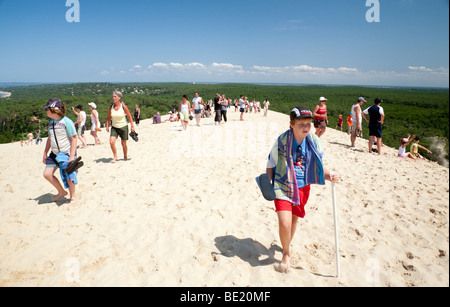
323, 99
93, 105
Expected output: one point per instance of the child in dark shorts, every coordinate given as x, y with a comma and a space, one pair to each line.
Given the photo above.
62, 141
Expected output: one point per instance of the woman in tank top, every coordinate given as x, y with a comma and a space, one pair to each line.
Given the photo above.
320, 117
185, 110
117, 116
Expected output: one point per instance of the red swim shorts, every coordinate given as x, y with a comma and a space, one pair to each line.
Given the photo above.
284, 205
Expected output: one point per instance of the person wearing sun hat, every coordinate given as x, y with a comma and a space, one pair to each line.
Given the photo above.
294, 164
402, 149
80, 123
357, 116
321, 117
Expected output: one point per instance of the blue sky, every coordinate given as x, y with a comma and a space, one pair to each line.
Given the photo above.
283, 41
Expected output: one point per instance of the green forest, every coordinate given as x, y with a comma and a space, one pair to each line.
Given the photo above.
416, 111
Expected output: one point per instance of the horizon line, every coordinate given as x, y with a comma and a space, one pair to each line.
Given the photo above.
19, 84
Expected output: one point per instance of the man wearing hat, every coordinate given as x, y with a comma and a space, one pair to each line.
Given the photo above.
376, 121
80, 123
357, 116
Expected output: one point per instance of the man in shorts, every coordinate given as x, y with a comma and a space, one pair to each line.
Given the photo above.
376, 121
242, 105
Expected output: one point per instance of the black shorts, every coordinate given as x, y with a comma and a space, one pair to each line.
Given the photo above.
318, 123
376, 131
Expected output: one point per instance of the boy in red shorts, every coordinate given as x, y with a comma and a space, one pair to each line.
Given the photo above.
295, 163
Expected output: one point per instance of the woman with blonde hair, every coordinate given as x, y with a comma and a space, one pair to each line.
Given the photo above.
117, 116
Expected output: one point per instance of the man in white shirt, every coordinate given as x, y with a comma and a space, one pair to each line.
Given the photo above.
196, 103
242, 105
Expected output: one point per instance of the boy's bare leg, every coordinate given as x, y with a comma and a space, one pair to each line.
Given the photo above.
49, 175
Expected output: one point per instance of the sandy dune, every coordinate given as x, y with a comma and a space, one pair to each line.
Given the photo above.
185, 211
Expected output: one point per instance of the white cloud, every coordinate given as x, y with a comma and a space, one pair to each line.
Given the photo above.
162, 65
226, 66
176, 65
195, 65
348, 70
228, 72
421, 69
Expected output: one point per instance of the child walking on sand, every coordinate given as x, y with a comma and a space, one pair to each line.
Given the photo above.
295, 163
62, 141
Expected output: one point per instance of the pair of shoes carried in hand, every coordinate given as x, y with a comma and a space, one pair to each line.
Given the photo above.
73, 166
134, 136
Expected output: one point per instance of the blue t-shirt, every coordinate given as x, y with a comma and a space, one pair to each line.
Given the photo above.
299, 159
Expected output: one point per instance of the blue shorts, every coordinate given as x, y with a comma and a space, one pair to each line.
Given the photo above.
51, 162
376, 131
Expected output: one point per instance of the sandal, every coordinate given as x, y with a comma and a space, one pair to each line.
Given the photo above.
134, 136
73, 166
266, 187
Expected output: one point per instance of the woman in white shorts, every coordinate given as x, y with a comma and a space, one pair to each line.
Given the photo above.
95, 123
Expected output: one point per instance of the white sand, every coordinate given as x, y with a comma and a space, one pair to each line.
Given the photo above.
185, 211
5, 94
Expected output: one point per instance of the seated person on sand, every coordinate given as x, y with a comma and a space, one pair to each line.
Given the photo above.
170, 117
415, 149
402, 149
157, 118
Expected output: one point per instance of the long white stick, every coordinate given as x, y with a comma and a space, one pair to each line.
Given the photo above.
338, 267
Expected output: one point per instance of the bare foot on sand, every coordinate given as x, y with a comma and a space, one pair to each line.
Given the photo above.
57, 197
283, 267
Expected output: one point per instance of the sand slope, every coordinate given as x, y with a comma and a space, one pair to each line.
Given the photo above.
185, 211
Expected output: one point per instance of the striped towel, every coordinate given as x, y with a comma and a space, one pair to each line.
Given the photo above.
280, 158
